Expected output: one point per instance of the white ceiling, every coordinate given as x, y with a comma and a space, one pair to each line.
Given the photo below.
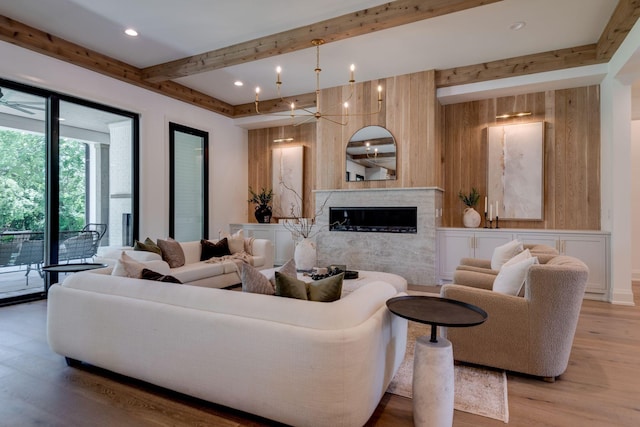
172, 29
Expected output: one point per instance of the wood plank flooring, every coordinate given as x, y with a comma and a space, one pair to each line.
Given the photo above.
600, 388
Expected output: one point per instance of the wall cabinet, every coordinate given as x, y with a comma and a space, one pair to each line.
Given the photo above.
283, 244
592, 247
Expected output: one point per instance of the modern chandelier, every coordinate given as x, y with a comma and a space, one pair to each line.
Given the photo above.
341, 117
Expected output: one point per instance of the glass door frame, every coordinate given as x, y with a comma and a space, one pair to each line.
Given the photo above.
52, 172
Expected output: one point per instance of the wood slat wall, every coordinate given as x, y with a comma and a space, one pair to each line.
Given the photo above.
260, 158
410, 111
571, 163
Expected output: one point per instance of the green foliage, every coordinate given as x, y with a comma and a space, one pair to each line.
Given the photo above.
470, 199
263, 198
22, 182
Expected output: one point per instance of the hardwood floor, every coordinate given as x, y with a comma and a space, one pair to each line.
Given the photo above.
600, 388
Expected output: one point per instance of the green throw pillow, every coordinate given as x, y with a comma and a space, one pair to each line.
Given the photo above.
325, 290
290, 287
148, 246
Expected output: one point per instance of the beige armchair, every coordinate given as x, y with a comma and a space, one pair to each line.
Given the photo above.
478, 273
531, 334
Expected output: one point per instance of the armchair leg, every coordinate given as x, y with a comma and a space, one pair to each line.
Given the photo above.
549, 379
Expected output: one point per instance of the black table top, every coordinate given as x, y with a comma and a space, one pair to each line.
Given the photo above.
72, 267
437, 311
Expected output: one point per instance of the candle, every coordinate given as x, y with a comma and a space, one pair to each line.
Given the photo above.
379, 93
485, 205
257, 93
491, 211
497, 215
352, 68
278, 70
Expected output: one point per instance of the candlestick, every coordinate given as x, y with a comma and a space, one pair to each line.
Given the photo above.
490, 212
485, 205
497, 223
496, 208
486, 218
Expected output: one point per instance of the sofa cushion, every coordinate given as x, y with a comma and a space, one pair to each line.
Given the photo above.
154, 275
214, 249
148, 246
201, 270
504, 253
171, 252
512, 276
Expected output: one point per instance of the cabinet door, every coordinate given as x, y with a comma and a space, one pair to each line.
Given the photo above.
452, 247
283, 246
540, 239
485, 243
592, 250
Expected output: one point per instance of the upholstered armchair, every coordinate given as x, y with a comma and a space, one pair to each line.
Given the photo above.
478, 273
531, 334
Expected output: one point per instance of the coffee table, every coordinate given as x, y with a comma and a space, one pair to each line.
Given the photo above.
433, 377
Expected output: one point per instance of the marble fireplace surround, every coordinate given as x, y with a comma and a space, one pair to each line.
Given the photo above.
412, 256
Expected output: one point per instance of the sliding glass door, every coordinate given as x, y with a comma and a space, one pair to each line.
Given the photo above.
69, 180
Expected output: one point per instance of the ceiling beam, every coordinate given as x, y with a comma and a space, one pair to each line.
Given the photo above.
622, 20
519, 66
388, 15
27, 37
306, 100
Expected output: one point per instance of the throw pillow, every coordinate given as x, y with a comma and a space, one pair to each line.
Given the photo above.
255, 282
172, 252
248, 245
214, 249
326, 290
526, 254
511, 277
290, 287
148, 246
288, 268
235, 242
127, 267
504, 253
154, 275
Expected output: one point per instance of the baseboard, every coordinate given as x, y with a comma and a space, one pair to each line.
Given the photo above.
623, 298
635, 274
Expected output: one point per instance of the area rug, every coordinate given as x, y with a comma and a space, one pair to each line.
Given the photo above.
477, 390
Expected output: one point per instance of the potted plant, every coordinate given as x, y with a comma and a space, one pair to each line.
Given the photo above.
262, 201
470, 217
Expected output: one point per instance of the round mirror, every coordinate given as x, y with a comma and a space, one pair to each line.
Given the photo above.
371, 155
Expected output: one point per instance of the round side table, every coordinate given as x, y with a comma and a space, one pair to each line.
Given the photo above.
433, 377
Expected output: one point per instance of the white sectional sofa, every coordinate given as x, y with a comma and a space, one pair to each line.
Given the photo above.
195, 272
297, 362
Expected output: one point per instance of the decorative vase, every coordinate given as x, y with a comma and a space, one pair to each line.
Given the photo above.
305, 255
471, 218
263, 214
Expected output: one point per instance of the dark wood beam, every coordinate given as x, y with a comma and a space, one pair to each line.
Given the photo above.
24, 36
388, 15
268, 106
623, 19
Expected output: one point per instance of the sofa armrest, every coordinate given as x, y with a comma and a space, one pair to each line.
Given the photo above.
474, 278
263, 248
475, 262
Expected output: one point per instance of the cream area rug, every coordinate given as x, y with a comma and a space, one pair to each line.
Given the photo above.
477, 390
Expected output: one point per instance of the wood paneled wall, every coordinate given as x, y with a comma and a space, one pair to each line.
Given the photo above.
261, 161
410, 111
571, 159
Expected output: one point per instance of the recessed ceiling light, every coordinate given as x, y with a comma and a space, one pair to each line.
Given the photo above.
238, 83
517, 25
131, 32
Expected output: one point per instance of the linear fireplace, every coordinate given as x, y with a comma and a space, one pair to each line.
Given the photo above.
380, 219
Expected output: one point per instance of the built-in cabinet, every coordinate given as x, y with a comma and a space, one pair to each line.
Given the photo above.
592, 247
283, 243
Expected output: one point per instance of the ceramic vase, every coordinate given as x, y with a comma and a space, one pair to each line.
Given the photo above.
305, 255
263, 214
471, 218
